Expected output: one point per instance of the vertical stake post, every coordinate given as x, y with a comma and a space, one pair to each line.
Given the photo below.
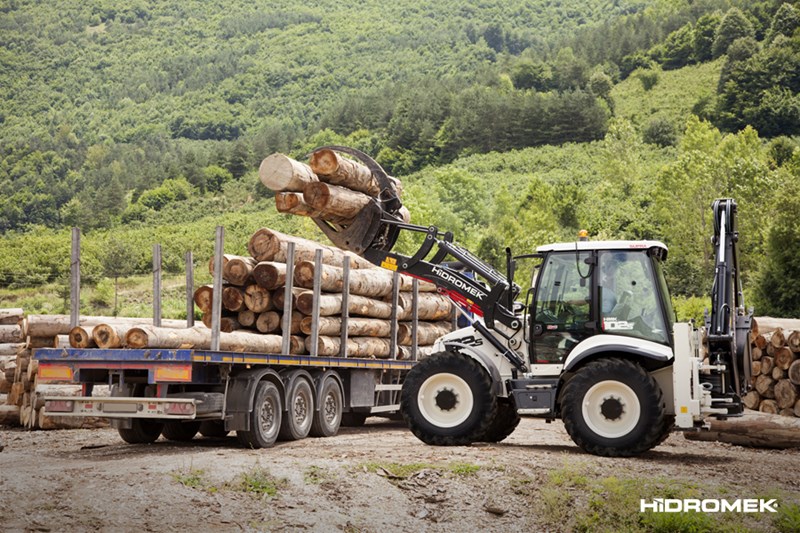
216, 300
286, 322
75, 279
345, 306
317, 292
157, 285
189, 289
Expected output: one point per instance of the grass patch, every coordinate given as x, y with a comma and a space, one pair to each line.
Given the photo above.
314, 475
194, 478
259, 481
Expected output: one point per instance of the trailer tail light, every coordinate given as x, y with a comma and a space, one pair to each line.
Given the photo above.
179, 408
59, 406
54, 372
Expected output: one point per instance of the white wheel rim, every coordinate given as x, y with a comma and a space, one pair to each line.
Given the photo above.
301, 409
445, 400
331, 409
266, 417
611, 409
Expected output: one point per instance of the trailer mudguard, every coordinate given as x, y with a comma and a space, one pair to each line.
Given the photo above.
241, 393
651, 354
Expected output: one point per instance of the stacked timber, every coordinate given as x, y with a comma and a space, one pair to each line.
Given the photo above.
19, 380
775, 353
253, 305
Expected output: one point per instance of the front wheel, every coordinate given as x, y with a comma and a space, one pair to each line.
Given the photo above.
614, 408
447, 400
504, 423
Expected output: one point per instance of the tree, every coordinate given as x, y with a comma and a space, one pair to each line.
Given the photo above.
704, 31
785, 22
534, 75
734, 25
214, 177
678, 49
119, 259
660, 131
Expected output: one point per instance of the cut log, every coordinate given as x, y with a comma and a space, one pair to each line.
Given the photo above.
200, 338
268, 322
43, 342
269, 274
81, 337
52, 325
752, 399
278, 296
766, 365
247, 318
756, 353
11, 348
760, 342
238, 269
9, 415
203, 298
227, 324
431, 306
270, 245
769, 407
109, 336
257, 298
356, 326
753, 429
786, 412
778, 339
778, 373
427, 332
797, 408
786, 394
15, 394
11, 316
794, 372
375, 283
765, 386
331, 304
755, 368
765, 324
233, 298
368, 347
293, 203
793, 341
334, 201
330, 167
280, 172
11, 333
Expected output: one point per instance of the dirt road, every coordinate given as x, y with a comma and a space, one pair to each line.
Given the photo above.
375, 478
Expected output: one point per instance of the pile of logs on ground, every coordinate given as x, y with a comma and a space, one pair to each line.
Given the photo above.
19, 379
775, 348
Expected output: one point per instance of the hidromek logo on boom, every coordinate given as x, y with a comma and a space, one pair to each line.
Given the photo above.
667, 505
461, 284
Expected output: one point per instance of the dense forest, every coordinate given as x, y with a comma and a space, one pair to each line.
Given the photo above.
511, 123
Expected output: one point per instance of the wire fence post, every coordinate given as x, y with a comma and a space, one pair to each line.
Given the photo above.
75, 279
157, 285
189, 289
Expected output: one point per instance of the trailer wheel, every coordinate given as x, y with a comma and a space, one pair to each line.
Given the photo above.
142, 431
297, 422
614, 408
265, 418
213, 429
180, 431
329, 416
504, 423
447, 400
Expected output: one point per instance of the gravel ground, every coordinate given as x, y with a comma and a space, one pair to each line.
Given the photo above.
360, 480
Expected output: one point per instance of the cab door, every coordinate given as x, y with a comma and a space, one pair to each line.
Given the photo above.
562, 314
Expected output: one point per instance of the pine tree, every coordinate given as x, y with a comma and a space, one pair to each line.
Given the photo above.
734, 25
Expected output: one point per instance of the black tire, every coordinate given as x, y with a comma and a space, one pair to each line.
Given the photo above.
447, 400
328, 417
142, 431
612, 407
180, 431
354, 420
296, 422
213, 429
504, 423
265, 418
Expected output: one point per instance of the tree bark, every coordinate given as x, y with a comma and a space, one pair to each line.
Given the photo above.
11, 316
356, 326
369, 347
11, 333
331, 304
431, 306
375, 283
794, 372
331, 168
270, 245
280, 173
293, 203
80, 337
200, 338
332, 201
257, 299
427, 332
270, 275
753, 429
52, 325
11, 348
786, 394
764, 324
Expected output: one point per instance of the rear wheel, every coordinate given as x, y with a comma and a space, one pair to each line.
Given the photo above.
180, 431
329, 416
613, 407
265, 418
142, 431
504, 423
297, 422
447, 400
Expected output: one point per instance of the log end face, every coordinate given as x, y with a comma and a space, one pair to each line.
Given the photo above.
273, 170
324, 162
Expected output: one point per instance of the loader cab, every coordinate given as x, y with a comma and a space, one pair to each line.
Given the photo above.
589, 288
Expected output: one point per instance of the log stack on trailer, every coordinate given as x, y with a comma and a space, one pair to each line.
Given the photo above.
775, 348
